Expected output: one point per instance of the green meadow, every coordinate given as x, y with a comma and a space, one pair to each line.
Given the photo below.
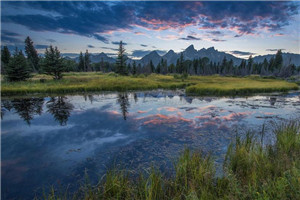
252, 170
96, 81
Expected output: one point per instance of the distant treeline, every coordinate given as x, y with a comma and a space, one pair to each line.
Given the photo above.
18, 67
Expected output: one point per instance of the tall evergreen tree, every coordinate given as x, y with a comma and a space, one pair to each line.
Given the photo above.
121, 60
53, 63
134, 70
87, 61
278, 60
181, 66
152, 67
5, 57
81, 62
250, 65
17, 68
129, 70
32, 55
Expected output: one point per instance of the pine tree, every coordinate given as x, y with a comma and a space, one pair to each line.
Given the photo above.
181, 66
81, 62
129, 68
250, 65
17, 68
32, 55
121, 60
87, 61
152, 67
134, 70
53, 63
158, 68
278, 60
5, 57
224, 65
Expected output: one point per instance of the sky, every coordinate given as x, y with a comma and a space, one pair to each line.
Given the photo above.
239, 28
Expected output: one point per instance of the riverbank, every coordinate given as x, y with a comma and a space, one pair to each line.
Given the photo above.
194, 85
251, 171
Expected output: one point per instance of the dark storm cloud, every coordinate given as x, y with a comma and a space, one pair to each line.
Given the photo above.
242, 53
190, 37
109, 48
141, 53
218, 40
51, 40
10, 40
9, 37
8, 33
274, 49
118, 43
98, 19
215, 32
41, 46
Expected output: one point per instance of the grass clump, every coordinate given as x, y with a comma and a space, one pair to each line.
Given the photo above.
251, 171
97, 81
217, 85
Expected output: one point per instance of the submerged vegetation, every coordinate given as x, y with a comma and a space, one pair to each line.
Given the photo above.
252, 170
96, 81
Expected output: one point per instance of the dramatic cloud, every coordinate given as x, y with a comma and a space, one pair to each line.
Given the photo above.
144, 45
141, 53
51, 40
109, 48
8, 33
90, 46
274, 49
215, 32
10, 40
242, 53
118, 43
10, 37
99, 19
189, 37
218, 40
41, 46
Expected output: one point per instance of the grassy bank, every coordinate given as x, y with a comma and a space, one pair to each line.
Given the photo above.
251, 172
195, 85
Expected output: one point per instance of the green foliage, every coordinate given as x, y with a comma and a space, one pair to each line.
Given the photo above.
17, 68
53, 64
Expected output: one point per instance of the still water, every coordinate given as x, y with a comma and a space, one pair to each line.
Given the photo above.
49, 141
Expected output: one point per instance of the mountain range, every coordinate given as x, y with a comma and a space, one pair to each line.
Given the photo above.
191, 53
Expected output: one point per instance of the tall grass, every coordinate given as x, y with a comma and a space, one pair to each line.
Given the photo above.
251, 171
95, 81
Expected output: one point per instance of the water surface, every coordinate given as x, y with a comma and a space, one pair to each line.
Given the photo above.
55, 140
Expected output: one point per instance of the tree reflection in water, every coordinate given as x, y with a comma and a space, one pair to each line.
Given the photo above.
60, 109
25, 108
124, 104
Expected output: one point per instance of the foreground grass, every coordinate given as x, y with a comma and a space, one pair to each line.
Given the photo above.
194, 85
251, 171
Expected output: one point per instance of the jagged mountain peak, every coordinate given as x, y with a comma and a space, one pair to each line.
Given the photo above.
191, 47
